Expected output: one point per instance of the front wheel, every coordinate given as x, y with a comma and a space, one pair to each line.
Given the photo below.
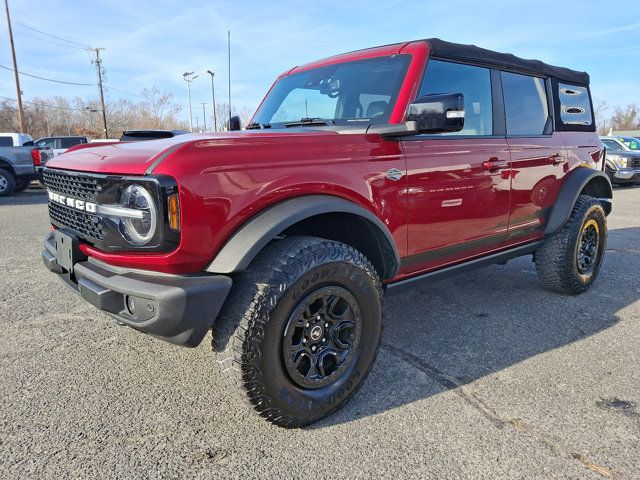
300, 330
570, 258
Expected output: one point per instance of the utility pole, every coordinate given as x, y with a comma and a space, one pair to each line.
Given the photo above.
229, 61
213, 102
15, 69
204, 117
189, 77
100, 71
197, 124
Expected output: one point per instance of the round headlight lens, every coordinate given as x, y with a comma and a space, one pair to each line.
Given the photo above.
138, 231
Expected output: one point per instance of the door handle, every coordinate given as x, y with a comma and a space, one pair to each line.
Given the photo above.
556, 159
494, 164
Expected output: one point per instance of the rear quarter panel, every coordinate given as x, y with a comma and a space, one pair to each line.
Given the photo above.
19, 158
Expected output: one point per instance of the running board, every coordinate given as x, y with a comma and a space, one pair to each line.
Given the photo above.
447, 272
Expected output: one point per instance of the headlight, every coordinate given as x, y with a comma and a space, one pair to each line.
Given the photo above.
618, 161
139, 229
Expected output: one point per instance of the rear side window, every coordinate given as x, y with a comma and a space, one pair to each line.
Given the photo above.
525, 104
45, 143
575, 106
69, 142
6, 142
473, 82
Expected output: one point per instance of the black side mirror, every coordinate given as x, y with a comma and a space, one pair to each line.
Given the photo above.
234, 123
440, 113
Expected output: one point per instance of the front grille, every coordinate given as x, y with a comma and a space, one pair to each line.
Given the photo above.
85, 225
81, 187
73, 185
636, 162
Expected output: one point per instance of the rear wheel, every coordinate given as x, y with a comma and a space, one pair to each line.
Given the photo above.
300, 330
570, 259
7, 183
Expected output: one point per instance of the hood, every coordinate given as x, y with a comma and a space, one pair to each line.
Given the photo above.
136, 158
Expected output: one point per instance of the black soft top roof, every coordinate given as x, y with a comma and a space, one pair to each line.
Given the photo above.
471, 53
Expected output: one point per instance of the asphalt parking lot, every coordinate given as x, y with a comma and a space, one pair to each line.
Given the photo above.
482, 376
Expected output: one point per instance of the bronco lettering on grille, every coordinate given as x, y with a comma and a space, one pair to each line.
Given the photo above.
73, 202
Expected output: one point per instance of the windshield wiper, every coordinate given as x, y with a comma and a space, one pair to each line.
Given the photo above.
310, 121
256, 125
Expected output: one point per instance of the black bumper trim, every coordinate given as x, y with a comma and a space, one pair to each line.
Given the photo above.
176, 309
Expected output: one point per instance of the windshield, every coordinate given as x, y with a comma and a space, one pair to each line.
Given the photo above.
362, 91
632, 143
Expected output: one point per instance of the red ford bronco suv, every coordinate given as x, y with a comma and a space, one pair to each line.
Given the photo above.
360, 175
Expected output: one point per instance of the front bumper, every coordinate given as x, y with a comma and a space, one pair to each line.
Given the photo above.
177, 309
627, 174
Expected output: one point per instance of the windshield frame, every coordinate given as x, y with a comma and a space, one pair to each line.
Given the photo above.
405, 64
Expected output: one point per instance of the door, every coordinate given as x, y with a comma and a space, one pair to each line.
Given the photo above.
457, 193
538, 155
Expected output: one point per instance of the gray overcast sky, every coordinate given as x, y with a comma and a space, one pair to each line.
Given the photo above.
154, 42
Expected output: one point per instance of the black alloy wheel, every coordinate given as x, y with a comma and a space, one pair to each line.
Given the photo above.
321, 335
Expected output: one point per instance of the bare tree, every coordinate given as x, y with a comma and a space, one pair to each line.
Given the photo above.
603, 118
627, 118
60, 116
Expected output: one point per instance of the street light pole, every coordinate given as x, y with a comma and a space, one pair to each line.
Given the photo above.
213, 102
204, 117
189, 77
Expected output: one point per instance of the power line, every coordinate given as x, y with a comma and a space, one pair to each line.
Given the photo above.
52, 36
49, 79
122, 91
49, 41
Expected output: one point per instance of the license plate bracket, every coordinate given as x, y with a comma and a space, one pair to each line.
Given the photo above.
67, 249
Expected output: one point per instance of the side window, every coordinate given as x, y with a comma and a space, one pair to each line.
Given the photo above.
525, 104
473, 82
69, 142
6, 142
45, 143
575, 107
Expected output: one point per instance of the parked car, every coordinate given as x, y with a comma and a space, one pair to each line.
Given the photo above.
360, 175
138, 135
622, 162
18, 162
60, 145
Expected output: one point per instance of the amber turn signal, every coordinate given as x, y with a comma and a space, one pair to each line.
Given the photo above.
174, 212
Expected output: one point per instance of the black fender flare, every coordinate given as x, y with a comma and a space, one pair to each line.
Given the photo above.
242, 247
572, 187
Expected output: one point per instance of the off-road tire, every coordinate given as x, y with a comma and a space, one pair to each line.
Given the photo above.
7, 183
557, 260
248, 336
